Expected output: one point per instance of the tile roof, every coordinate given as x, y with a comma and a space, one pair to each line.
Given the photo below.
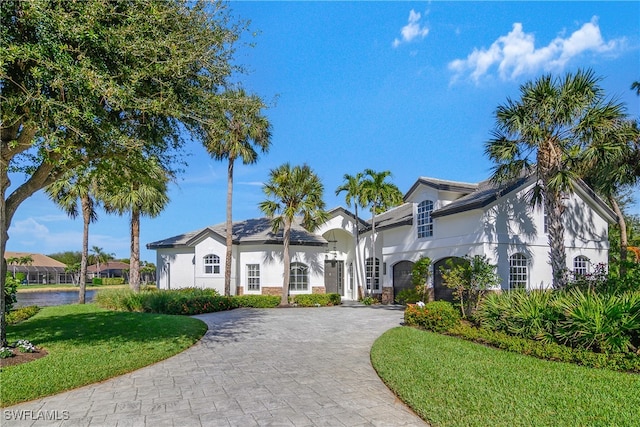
250, 231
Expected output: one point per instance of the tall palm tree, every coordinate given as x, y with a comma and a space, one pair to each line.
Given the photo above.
142, 191
352, 186
241, 130
381, 195
543, 134
78, 185
292, 192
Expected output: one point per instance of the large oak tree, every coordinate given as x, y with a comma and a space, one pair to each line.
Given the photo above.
87, 80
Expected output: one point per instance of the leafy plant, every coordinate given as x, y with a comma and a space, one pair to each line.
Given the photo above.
257, 301
10, 290
435, 316
470, 281
310, 300
21, 314
369, 301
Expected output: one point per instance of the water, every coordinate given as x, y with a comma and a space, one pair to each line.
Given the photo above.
43, 299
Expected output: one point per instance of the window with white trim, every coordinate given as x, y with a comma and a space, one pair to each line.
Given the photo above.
298, 277
211, 264
371, 275
253, 277
424, 220
518, 271
580, 265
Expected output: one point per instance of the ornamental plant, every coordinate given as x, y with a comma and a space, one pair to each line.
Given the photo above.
435, 316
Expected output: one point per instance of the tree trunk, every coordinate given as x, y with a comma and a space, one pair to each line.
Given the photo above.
40, 178
229, 231
623, 235
358, 266
373, 250
555, 230
134, 262
287, 262
86, 219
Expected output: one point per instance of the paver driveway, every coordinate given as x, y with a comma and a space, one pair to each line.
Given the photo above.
276, 367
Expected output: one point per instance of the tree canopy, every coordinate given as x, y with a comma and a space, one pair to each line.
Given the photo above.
89, 80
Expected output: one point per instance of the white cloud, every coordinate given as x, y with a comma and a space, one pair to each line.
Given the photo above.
515, 53
412, 30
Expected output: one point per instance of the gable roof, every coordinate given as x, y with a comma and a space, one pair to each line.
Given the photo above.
39, 260
486, 193
250, 231
108, 265
441, 184
394, 217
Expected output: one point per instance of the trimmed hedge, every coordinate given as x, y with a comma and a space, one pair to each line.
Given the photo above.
188, 301
20, 314
627, 362
257, 301
312, 300
435, 316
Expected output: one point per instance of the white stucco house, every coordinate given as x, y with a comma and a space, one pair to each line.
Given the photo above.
438, 219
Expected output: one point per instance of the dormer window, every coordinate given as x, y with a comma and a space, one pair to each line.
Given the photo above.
425, 222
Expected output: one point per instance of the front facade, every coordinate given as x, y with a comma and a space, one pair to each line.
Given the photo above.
441, 220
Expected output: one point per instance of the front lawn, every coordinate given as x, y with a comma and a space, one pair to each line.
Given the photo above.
452, 382
87, 344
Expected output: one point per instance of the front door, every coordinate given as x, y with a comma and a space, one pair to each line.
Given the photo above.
334, 277
402, 278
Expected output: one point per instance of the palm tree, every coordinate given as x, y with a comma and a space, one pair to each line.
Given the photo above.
381, 195
142, 191
292, 192
352, 186
99, 255
242, 129
78, 184
543, 134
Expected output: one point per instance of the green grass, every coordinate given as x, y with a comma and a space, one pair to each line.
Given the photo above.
87, 344
452, 382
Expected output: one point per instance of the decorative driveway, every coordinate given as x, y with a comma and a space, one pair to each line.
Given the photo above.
254, 367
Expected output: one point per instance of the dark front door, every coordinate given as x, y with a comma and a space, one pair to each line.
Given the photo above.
402, 277
334, 277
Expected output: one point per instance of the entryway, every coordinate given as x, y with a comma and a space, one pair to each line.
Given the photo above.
334, 277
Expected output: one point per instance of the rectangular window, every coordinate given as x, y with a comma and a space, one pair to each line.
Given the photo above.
371, 275
253, 277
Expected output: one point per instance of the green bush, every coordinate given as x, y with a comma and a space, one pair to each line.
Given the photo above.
257, 301
602, 322
606, 323
409, 296
21, 314
312, 300
10, 290
112, 281
96, 281
436, 316
627, 362
188, 301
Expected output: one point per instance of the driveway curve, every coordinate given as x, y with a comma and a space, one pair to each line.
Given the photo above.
254, 367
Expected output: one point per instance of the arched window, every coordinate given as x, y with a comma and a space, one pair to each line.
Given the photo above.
211, 264
371, 274
580, 265
518, 271
298, 277
425, 222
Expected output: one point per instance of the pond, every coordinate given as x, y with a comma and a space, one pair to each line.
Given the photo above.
47, 298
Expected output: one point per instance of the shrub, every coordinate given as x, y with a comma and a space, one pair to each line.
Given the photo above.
111, 281
257, 301
436, 316
96, 281
600, 322
188, 301
10, 290
311, 300
409, 296
21, 314
550, 351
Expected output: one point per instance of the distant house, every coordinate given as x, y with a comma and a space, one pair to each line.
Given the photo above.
41, 270
439, 219
108, 269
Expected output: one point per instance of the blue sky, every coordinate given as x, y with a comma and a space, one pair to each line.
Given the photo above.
409, 87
